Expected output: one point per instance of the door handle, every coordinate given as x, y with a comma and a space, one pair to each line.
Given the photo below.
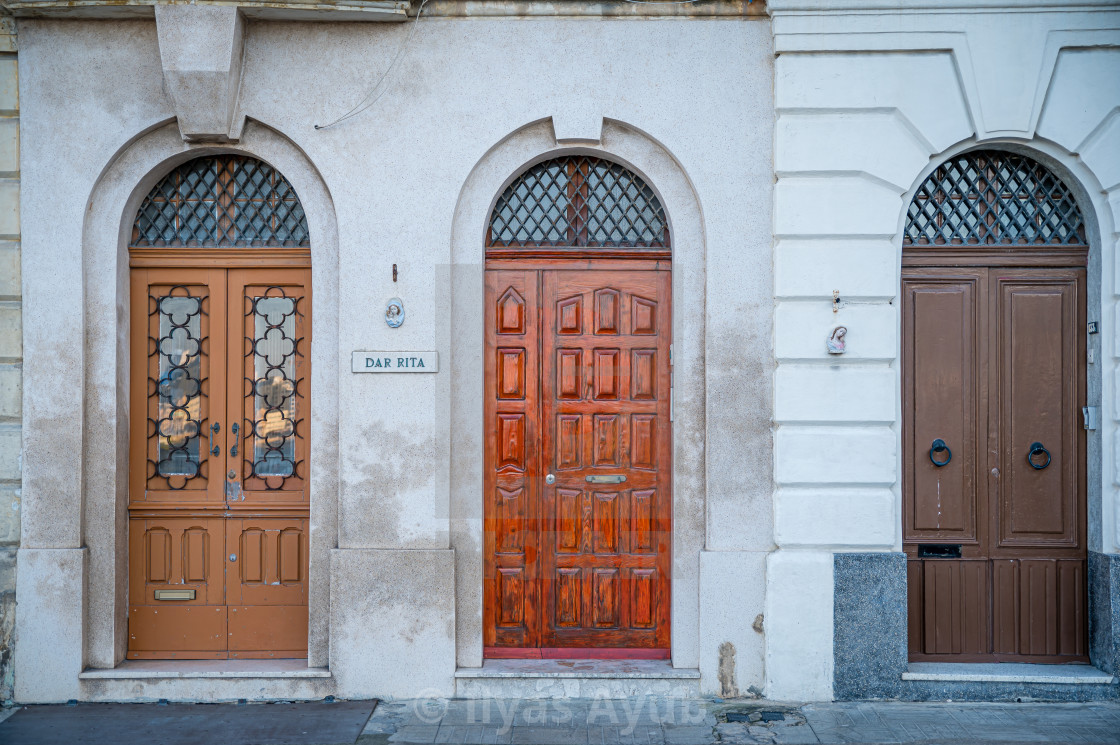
236, 439
1037, 449
936, 449
613, 478
214, 429
550, 479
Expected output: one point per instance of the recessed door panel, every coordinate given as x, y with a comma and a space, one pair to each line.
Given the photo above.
942, 386
267, 561
1040, 337
182, 632
170, 552
267, 631
955, 600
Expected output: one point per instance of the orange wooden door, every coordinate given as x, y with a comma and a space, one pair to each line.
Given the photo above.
578, 508
218, 503
994, 369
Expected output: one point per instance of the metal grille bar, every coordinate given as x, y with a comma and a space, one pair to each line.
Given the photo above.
273, 391
990, 197
579, 201
176, 341
221, 201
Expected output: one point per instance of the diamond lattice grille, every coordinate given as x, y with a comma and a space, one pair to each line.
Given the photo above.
991, 198
221, 201
579, 201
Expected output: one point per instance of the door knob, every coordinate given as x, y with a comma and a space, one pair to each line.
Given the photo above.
550, 479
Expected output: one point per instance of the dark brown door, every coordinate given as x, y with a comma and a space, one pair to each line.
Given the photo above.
994, 459
578, 504
218, 529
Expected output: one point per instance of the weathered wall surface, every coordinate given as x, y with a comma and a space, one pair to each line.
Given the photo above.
11, 348
871, 95
392, 180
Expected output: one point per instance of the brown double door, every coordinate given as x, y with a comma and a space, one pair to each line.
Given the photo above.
577, 502
994, 450
218, 518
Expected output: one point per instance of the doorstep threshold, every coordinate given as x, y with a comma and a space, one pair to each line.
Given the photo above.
607, 669
1006, 672
164, 669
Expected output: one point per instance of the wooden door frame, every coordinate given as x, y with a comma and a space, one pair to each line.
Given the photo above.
943, 261
656, 260
224, 324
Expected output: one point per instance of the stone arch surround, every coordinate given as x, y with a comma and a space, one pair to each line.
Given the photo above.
870, 664
98, 512
499, 167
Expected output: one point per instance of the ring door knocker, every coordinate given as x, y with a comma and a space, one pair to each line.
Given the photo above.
936, 449
1036, 450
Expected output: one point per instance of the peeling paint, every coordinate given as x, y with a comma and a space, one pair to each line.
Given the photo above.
727, 686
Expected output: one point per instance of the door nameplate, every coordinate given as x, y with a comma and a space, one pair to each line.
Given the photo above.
407, 362
174, 594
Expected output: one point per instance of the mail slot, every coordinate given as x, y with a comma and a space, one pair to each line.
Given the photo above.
939, 551
614, 478
174, 594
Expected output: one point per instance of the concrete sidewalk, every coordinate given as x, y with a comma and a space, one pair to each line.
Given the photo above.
649, 721
665, 721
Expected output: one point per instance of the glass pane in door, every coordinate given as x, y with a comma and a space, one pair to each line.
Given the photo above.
179, 387
274, 354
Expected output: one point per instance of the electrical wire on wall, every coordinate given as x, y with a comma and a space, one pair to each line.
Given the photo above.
378, 90
669, 2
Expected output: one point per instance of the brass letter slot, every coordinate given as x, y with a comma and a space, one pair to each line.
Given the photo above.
614, 478
174, 594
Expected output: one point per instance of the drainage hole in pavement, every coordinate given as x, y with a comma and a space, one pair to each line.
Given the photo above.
754, 717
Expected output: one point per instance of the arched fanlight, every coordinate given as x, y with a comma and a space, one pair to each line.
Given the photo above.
578, 201
992, 197
221, 201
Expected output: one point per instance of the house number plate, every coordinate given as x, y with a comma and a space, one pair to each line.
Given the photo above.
409, 362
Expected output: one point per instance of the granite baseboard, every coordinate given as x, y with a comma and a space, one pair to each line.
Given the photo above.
870, 638
1104, 611
869, 626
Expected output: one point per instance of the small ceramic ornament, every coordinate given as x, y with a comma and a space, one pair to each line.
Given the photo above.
394, 313
835, 341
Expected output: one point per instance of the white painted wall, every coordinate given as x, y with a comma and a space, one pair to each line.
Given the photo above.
870, 96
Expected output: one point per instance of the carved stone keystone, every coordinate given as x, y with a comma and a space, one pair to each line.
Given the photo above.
200, 49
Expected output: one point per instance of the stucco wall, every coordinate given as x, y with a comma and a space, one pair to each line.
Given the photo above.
686, 102
11, 348
871, 95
